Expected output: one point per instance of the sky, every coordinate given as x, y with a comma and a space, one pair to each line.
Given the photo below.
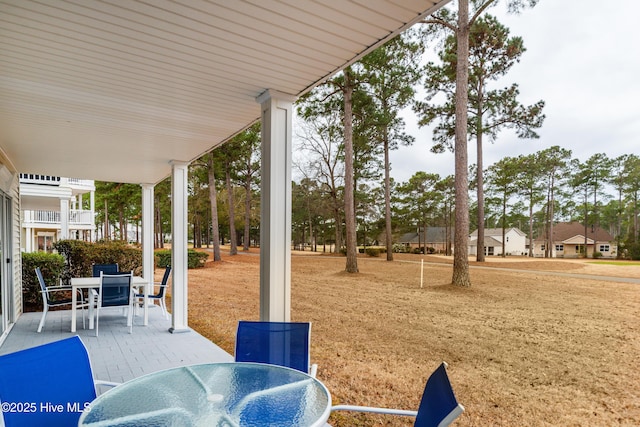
583, 59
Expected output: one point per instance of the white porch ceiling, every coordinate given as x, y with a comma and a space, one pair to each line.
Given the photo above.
113, 90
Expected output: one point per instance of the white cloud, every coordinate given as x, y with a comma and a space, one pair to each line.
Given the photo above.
583, 60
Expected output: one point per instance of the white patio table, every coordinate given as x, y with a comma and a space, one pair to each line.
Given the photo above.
215, 394
94, 283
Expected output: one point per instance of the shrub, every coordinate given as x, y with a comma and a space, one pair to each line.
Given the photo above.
163, 258
597, 254
195, 259
373, 252
80, 255
51, 265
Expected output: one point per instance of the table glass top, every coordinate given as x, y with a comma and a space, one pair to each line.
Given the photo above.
218, 394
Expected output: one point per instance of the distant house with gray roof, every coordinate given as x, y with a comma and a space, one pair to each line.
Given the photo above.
436, 238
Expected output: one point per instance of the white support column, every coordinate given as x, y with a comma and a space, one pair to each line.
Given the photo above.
28, 239
147, 244
275, 214
64, 218
92, 206
179, 262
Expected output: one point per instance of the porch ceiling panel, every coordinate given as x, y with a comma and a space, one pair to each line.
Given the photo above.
114, 90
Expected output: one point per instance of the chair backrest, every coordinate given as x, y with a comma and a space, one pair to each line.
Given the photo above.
278, 343
50, 384
43, 286
115, 290
104, 268
438, 407
165, 280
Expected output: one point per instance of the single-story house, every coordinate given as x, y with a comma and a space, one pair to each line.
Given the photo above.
436, 238
568, 241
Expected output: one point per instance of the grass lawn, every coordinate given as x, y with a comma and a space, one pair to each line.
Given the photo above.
523, 349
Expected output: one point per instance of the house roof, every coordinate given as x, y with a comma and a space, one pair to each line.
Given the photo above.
488, 241
573, 232
498, 231
434, 235
114, 91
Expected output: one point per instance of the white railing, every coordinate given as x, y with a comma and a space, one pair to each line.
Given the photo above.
81, 182
30, 178
76, 217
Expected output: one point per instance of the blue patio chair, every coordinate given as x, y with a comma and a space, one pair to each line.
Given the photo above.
115, 291
438, 407
160, 296
104, 268
278, 343
49, 385
49, 302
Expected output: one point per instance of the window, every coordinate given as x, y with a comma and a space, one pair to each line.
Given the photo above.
542, 247
560, 248
605, 248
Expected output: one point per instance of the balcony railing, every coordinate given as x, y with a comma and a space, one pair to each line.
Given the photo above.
30, 178
76, 217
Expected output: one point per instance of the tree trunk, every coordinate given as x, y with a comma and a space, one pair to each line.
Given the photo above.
551, 215
461, 238
349, 212
233, 241
480, 192
158, 228
530, 228
247, 215
105, 231
387, 198
213, 198
504, 226
123, 226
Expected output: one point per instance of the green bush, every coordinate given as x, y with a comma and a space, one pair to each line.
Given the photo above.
163, 258
633, 250
51, 266
399, 248
373, 252
80, 256
597, 254
195, 259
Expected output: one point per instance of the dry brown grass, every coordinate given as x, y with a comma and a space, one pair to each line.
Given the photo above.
524, 349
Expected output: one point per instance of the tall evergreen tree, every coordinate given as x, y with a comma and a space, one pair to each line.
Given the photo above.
391, 73
460, 24
491, 55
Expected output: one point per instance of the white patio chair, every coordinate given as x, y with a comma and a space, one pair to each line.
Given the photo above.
49, 301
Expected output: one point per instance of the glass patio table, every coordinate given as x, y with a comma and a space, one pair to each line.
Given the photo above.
216, 394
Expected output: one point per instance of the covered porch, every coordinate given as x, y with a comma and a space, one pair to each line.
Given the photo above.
134, 92
117, 355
